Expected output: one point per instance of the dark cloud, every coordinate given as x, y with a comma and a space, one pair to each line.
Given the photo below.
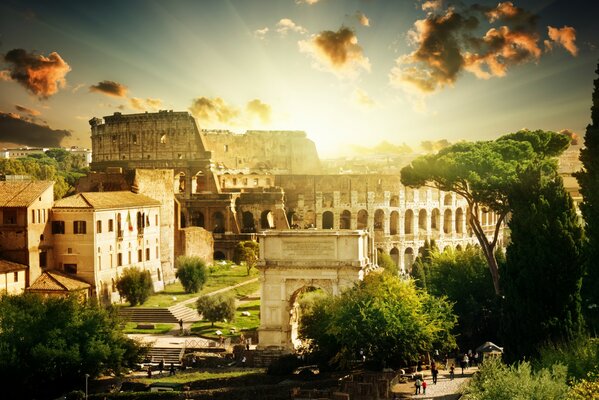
109, 88
41, 75
26, 110
13, 129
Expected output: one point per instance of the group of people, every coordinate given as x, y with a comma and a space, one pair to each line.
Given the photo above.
467, 360
171, 369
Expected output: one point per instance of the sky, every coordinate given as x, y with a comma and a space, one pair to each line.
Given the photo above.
356, 72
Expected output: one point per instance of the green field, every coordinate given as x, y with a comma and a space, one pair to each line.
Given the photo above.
219, 277
158, 328
185, 377
241, 323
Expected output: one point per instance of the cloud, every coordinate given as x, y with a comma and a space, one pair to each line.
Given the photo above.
285, 25
19, 131
362, 18
565, 37
432, 5
140, 104
447, 42
26, 110
361, 98
109, 88
43, 76
337, 52
259, 109
309, 2
261, 33
213, 110
383, 147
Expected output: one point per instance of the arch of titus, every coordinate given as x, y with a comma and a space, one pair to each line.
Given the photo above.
292, 261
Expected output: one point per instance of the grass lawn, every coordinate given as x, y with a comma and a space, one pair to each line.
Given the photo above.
158, 328
218, 277
239, 292
185, 377
241, 323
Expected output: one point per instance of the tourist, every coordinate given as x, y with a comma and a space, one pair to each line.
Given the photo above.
435, 373
161, 366
418, 383
423, 386
464, 363
149, 371
451, 370
181, 325
171, 370
243, 360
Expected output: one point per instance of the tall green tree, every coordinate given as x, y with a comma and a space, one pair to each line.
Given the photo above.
192, 273
543, 270
47, 345
482, 173
386, 262
588, 180
135, 285
247, 252
384, 317
217, 307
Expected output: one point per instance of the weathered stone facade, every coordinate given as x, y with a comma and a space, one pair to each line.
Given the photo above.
197, 242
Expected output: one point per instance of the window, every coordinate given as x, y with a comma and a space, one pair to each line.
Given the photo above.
147, 254
33, 216
69, 250
256, 182
79, 227
16, 276
110, 225
119, 259
39, 216
58, 227
134, 139
44, 214
98, 226
140, 255
226, 148
9, 216
129, 257
70, 268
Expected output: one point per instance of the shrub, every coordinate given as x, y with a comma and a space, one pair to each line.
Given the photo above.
247, 252
585, 389
135, 285
217, 307
580, 356
191, 271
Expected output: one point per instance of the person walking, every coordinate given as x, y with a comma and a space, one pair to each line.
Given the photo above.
418, 384
181, 325
423, 386
435, 373
171, 370
451, 372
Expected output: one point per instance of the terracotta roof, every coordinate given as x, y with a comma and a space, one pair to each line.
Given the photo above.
105, 200
9, 266
21, 193
55, 281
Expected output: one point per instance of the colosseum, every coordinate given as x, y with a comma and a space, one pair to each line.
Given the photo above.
235, 185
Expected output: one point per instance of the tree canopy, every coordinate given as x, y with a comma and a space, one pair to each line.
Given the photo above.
192, 273
47, 345
482, 173
384, 317
217, 307
247, 252
135, 285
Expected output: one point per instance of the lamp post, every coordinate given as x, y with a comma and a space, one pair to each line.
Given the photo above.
86, 378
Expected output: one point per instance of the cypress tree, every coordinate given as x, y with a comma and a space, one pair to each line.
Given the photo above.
588, 179
543, 270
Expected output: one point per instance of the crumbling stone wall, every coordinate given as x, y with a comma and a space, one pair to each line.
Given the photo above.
197, 242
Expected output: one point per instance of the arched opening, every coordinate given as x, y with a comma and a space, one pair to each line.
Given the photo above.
198, 183
447, 221
197, 219
291, 218
379, 220
409, 222
458, 247
394, 201
219, 255
394, 253
435, 220
422, 221
345, 220
179, 184
247, 220
327, 220
267, 220
218, 222
447, 200
409, 195
459, 221
422, 194
362, 219
408, 258
394, 223
301, 302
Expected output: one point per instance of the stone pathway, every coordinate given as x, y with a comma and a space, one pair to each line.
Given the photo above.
445, 389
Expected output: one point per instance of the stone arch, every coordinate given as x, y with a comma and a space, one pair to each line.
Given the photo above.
409, 194
435, 220
447, 221
447, 200
408, 258
394, 223
422, 220
345, 220
409, 222
293, 309
458, 247
247, 221
199, 182
327, 220
291, 219
197, 219
362, 219
394, 201
179, 183
267, 220
379, 220
394, 253
218, 222
219, 255
459, 220
422, 194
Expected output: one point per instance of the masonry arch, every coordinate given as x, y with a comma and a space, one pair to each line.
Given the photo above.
422, 221
362, 219
394, 223
458, 247
345, 220
409, 222
394, 253
435, 220
219, 255
199, 182
447, 200
408, 258
394, 201
247, 221
197, 219
379, 220
459, 220
179, 183
327, 220
267, 220
295, 309
447, 221
218, 222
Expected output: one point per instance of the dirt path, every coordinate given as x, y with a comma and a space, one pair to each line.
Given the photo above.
445, 389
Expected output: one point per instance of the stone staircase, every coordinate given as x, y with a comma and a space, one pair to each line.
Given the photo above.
169, 354
180, 311
170, 315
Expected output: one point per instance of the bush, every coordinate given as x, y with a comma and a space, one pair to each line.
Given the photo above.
191, 271
284, 365
585, 389
135, 285
217, 307
386, 262
497, 381
580, 356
